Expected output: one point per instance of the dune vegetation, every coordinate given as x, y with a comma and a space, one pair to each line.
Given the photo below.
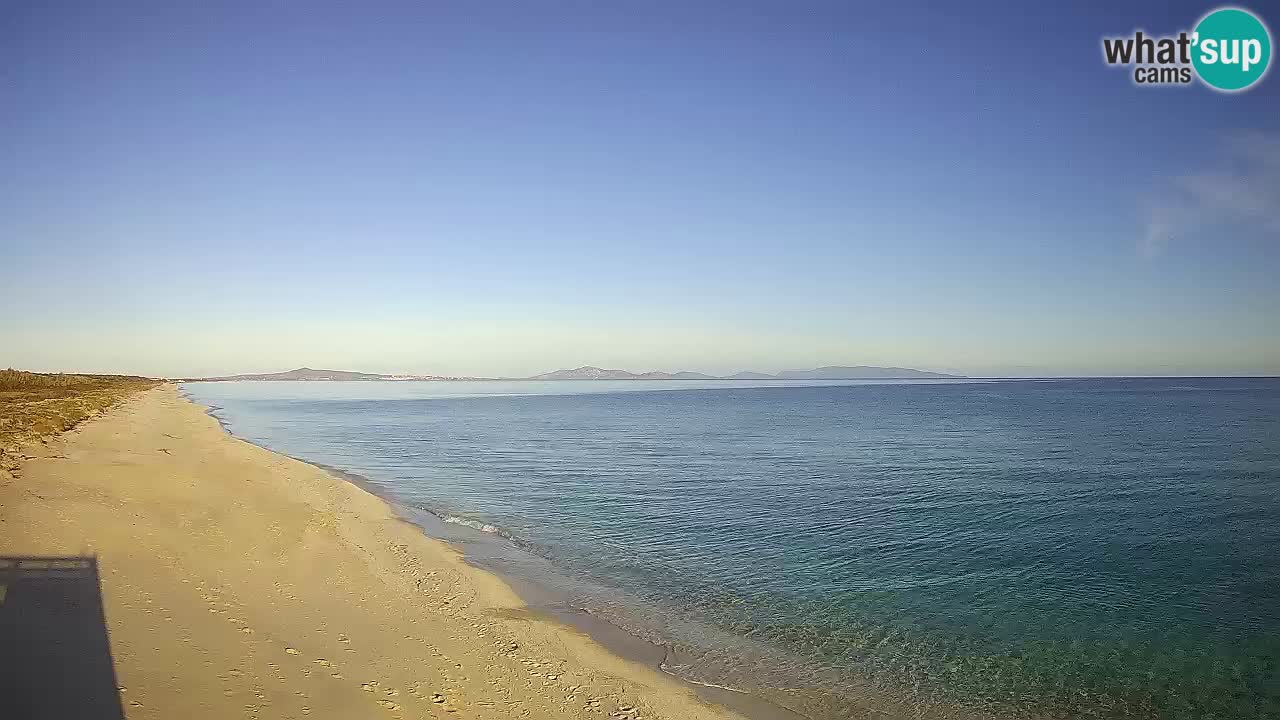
34, 405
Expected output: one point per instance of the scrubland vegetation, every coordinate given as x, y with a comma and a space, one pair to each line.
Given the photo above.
34, 405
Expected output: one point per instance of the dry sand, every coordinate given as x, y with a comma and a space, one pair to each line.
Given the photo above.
241, 583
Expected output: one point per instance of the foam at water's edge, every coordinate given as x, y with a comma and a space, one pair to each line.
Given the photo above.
476, 524
667, 669
451, 518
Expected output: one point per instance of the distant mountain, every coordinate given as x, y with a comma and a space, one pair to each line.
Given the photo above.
858, 372
831, 372
690, 375
305, 373
590, 372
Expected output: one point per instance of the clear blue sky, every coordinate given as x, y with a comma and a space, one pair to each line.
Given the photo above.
507, 188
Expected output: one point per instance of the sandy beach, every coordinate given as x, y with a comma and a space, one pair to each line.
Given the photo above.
237, 582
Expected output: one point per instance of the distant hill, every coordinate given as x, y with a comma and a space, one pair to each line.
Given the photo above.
859, 372
830, 372
690, 375
305, 373
590, 372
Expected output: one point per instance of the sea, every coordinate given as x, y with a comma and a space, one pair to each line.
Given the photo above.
1061, 548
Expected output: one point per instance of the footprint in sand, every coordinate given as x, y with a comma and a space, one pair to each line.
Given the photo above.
389, 705
291, 651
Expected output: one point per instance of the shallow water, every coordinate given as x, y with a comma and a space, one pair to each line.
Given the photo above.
1071, 548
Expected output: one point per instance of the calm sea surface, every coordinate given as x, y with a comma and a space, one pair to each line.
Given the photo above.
1069, 548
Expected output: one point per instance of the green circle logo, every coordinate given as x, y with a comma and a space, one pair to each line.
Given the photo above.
1232, 49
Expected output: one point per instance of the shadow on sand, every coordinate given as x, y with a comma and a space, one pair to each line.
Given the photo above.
55, 659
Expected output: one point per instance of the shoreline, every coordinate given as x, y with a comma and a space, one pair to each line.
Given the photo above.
546, 601
238, 581
540, 601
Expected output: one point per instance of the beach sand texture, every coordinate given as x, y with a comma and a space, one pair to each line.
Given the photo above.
240, 583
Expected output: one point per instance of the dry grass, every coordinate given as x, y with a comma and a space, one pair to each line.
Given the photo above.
34, 405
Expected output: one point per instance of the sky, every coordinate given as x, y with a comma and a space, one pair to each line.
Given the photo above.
480, 188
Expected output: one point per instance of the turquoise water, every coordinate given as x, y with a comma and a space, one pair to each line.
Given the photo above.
1073, 548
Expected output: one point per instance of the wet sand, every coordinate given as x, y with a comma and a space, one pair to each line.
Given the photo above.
237, 582
536, 584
